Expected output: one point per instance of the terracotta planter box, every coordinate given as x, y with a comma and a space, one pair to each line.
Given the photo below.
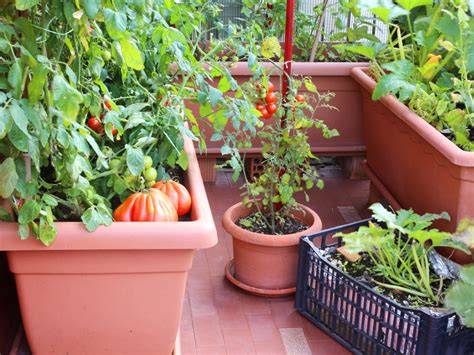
265, 264
117, 290
413, 162
334, 77
9, 312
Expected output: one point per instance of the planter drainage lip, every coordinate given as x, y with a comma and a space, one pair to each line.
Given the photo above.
262, 292
233, 213
303, 68
199, 233
429, 133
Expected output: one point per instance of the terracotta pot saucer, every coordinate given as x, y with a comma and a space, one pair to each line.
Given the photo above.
230, 276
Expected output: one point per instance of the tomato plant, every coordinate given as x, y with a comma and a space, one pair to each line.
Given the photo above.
64, 63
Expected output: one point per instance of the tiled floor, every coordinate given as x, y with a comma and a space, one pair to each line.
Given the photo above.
218, 318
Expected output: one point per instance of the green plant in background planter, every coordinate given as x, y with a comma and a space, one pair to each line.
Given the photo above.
267, 225
92, 104
459, 296
427, 62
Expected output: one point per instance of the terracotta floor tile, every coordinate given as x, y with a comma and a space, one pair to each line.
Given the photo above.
212, 350
270, 348
202, 302
313, 333
253, 304
188, 345
284, 314
263, 328
328, 348
207, 332
238, 341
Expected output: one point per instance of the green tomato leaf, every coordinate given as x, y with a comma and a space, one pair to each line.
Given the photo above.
19, 117
24, 231
96, 216
410, 4
131, 54
5, 122
25, 4
215, 96
36, 85
135, 160
15, 78
66, 98
183, 160
47, 233
115, 23
29, 212
91, 7
8, 177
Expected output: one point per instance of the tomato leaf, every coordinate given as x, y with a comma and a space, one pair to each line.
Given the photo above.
29, 212
131, 54
25, 4
96, 216
91, 7
135, 160
4, 215
8, 177
66, 98
15, 78
115, 23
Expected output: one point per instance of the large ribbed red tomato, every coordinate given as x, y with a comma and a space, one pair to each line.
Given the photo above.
178, 195
147, 206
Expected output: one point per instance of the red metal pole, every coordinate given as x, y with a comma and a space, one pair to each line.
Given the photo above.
288, 50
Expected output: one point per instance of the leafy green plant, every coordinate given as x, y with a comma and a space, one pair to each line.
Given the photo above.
427, 62
93, 101
459, 296
286, 152
399, 248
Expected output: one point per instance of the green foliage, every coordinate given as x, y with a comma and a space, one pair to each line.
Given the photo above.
133, 65
286, 152
428, 62
399, 247
459, 296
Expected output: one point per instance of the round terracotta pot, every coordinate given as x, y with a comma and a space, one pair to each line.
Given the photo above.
264, 261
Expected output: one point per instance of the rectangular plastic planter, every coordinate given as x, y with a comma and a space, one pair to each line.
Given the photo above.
418, 166
361, 319
117, 290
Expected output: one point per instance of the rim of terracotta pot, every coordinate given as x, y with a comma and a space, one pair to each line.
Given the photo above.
198, 233
429, 133
239, 210
303, 68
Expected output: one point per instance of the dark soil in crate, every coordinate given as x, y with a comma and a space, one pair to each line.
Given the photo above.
360, 270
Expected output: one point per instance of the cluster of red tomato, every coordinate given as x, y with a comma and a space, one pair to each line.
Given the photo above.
268, 108
95, 123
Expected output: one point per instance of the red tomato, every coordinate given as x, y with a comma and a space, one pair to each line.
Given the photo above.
107, 105
114, 131
271, 87
177, 193
265, 114
299, 98
260, 107
272, 108
148, 206
93, 124
271, 98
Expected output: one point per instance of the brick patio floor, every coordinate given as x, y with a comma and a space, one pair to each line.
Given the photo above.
219, 318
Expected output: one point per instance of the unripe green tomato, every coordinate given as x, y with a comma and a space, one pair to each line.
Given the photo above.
106, 55
235, 59
130, 179
115, 164
150, 174
148, 161
149, 184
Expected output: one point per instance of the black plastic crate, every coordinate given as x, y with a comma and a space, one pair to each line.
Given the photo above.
361, 319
